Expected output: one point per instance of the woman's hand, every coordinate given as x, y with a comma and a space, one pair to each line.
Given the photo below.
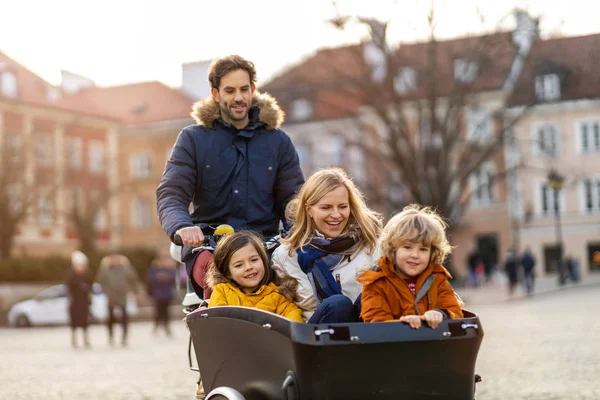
413, 320
433, 318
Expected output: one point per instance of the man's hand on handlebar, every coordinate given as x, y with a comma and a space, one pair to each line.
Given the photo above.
191, 236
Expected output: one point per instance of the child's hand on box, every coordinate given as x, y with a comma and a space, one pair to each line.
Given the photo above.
413, 320
432, 317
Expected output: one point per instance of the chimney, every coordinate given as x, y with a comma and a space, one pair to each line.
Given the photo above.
527, 29
194, 79
73, 83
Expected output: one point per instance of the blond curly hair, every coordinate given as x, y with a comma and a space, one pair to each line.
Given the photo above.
418, 224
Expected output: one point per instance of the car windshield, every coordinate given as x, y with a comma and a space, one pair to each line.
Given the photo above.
52, 292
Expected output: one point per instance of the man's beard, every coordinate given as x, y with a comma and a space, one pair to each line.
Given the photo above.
225, 110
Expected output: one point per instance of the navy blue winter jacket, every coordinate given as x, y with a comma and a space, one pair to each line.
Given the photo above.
244, 178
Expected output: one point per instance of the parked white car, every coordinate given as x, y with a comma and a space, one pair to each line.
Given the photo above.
51, 307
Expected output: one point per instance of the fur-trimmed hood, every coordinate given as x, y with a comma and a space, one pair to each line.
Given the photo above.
207, 111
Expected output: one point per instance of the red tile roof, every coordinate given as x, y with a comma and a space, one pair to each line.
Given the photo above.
138, 103
576, 57
336, 80
33, 89
135, 103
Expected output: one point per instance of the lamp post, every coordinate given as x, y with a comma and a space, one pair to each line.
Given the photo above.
556, 182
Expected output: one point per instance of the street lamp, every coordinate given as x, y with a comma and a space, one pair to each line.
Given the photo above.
556, 182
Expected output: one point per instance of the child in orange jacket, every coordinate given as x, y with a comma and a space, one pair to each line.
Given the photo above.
409, 284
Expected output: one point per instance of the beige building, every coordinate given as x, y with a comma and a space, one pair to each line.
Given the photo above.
151, 116
329, 111
55, 158
562, 134
78, 145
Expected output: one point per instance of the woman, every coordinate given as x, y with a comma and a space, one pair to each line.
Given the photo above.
79, 286
334, 234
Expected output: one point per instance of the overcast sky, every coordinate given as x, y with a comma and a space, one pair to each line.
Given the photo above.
122, 41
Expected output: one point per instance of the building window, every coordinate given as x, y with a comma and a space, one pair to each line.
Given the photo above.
301, 110
336, 150
75, 202
139, 165
482, 189
591, 195
96, 157
141, 213
14, 148
43, 151
550, 201
303, 151
101, 220
479, 126
53, 93
546, 140
547, 87
74, 153
15, 201
8, 84
589, 137
405, 81
465, 71
376, 60
44, 211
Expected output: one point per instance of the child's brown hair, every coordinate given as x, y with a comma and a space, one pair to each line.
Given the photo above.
219, 269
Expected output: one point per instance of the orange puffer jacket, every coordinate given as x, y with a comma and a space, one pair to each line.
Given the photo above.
387, 297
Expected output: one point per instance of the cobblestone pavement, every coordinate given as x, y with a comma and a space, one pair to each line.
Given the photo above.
541, 348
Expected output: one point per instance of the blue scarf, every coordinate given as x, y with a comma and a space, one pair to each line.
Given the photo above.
319, 258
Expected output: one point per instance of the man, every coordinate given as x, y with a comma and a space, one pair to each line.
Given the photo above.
117, 278
235, 165
528, 262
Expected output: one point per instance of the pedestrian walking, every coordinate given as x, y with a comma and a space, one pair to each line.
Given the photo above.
511, 266
528, 263
118, 280
476, 267
572, 265
79, 287
160, 281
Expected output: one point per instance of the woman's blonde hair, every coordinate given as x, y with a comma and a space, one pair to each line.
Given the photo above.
418, 224
318, 185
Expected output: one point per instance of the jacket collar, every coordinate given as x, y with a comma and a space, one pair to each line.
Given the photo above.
264, 112
386, 269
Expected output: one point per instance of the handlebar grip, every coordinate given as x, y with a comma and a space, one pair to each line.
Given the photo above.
177, 240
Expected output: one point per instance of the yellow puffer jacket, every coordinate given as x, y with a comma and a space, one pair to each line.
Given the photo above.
266, 298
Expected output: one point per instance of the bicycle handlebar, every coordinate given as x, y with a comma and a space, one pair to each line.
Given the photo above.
269, 243
177, 240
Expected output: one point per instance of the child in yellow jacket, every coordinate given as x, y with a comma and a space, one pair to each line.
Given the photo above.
241, 275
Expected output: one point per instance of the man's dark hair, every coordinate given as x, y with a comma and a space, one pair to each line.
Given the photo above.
222, 66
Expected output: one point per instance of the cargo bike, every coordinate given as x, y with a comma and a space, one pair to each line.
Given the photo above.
248, 354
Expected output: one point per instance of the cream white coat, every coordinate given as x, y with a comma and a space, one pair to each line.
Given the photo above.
347, 270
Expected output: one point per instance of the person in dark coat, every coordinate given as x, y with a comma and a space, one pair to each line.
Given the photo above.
511, 266
475, 263
528, 262
161, 280
236, 166
79, 287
